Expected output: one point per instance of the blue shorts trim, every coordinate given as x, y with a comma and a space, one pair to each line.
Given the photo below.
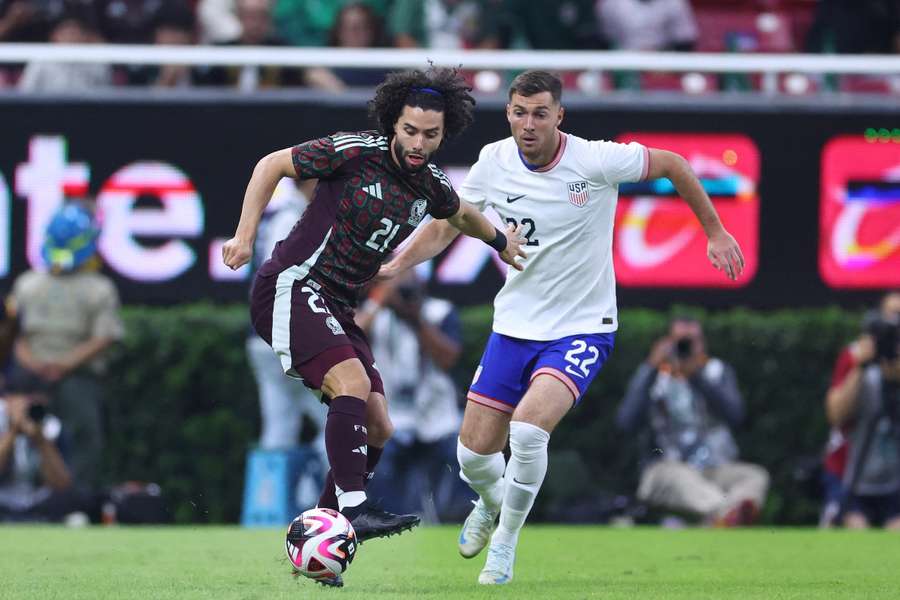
509, 365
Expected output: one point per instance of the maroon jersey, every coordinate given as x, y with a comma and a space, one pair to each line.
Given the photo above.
364, 206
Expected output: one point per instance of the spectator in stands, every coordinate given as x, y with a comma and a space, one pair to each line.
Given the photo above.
308, 22
358, 26
25, 21
257, 29
9, 330
855, 411
283, 401
35, 483
859, 27
555, 25
445, 24
173, 26
134, 21
76, 26
647, 24
19, 22
690, 401
416, 341
218, 21
69, 317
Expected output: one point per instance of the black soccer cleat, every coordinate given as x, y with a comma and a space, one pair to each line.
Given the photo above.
336, 581
371, 522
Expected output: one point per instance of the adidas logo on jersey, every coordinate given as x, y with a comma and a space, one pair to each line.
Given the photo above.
374, 190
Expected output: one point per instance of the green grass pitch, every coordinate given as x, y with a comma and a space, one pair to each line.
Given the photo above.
554, 562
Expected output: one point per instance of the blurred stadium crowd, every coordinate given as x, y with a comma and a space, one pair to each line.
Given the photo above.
732, 26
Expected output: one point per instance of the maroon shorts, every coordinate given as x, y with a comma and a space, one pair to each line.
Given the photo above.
309, 333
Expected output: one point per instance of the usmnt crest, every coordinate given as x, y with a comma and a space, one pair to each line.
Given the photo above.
578, 193
417, 212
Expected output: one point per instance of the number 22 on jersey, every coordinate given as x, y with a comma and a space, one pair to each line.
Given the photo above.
530, 230
576, 356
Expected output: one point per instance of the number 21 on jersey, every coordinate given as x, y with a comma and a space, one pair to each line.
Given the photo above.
390, 229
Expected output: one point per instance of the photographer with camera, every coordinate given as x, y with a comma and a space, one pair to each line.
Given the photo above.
69, 317
690, 401
862, 462
416, 341
35, 483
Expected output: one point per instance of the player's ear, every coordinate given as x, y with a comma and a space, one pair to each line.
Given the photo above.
560, 115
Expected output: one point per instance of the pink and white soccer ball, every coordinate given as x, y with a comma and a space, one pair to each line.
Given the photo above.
320, 543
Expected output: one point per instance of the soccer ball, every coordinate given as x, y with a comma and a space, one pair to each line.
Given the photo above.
320, 543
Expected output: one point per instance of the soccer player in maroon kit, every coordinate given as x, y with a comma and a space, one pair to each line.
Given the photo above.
374, 188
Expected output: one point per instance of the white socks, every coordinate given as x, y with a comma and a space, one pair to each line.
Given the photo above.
524, 476
483, 473
348, 499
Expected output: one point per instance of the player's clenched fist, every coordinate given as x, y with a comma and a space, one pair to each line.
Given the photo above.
236, 253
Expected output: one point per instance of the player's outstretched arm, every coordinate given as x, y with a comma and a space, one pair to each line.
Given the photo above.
266, 175
427, 242
722, 249
436, 235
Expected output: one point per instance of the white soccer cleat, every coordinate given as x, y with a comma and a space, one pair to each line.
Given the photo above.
498, 569
476, 531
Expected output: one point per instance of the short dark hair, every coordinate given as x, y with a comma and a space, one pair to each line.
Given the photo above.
534, 82
440, 89
82, 15
175, 16
373, 20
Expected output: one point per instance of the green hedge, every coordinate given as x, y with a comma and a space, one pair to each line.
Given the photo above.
183, 408
183, 405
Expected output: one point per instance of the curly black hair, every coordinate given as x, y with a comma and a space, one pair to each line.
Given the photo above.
439, 88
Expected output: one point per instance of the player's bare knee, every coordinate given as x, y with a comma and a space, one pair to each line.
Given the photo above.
484, 430
346, 381
481, 441
347, 378
358, 388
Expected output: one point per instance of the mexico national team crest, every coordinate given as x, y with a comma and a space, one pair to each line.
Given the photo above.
334, 326
417, 212
578, 193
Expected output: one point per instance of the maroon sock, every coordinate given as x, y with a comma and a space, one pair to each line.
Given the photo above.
328, 499
345, 442
372, 459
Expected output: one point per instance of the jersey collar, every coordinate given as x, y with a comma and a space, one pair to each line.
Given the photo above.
555, 161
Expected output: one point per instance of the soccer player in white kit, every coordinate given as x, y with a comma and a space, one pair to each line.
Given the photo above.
554, 321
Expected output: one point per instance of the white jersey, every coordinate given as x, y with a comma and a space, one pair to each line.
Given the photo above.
567, 209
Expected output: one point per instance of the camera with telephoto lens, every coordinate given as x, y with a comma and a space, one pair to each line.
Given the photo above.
36, 412
886, 333
684, 348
